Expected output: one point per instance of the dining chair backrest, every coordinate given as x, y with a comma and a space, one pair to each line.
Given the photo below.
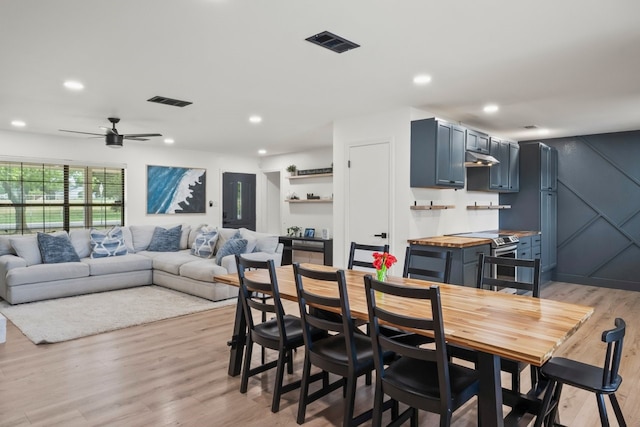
427, 265
614, 339
361, 255
313, 304
376, 291
252, 293
486, 279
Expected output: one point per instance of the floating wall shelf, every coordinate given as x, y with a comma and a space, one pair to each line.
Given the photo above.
488, 207
308, 200
317, 175
430, 207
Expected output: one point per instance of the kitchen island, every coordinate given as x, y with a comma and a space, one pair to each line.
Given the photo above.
465, 251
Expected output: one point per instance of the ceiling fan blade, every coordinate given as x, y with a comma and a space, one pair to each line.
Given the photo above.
141, 135
84, 133
134, 138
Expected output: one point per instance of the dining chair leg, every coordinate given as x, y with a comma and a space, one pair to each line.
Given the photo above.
350, 401
290, 362
445, 419
304, 390
247, 364
515, 381
545, 407
604, 420
277, 390
617, 410
376, 419
414, 417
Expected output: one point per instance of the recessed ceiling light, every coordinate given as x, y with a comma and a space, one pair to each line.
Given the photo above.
73, 85
490, 108
422, 79
255, 119
169, 141
262, 151
18, 123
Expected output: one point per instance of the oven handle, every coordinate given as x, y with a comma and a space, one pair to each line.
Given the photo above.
505, 250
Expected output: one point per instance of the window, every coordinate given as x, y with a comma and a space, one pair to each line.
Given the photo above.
48, 197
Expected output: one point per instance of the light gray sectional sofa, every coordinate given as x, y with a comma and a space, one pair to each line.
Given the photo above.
25, 278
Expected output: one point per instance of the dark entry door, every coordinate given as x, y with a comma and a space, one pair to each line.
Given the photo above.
239, 200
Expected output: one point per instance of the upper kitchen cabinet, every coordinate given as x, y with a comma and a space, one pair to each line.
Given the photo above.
477, 141
502, 177
437, 154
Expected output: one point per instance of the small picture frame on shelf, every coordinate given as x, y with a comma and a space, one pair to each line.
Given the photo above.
309, 232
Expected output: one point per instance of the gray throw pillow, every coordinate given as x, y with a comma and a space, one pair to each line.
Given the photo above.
164, 240
231, 247
56, 249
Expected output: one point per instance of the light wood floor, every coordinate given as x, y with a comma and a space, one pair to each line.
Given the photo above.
174, 372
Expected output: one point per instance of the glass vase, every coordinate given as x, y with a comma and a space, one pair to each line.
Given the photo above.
382, 275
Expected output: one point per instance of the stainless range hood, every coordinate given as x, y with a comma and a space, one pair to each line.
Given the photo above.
473, 159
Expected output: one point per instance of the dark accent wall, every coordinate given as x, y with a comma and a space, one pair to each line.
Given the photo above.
599, 209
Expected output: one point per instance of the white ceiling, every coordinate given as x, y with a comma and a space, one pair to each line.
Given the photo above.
571, 66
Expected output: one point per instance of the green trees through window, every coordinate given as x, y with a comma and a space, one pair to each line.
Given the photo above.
48, 197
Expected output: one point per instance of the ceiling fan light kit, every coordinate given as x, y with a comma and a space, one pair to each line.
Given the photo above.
113, 138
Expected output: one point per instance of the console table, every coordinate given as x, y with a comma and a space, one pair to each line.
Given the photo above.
307, 244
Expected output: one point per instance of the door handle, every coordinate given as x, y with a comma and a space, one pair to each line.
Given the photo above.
382, 235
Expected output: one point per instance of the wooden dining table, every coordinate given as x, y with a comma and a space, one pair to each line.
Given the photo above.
495, 324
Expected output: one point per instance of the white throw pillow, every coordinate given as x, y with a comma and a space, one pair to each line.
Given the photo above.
142, 235
263, 242
81, 241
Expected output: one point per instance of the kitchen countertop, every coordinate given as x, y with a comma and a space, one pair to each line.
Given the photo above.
466, 242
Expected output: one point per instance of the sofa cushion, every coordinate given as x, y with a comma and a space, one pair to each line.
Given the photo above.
106, 243
225, 234
165, 240
203, 270
264, 242
56, 249
120, 264
231, 247
81, 241
141, 236
46, 273
128, 239
5, 246
204, 244
171, 262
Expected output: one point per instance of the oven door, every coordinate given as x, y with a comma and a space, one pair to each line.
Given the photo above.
503, 272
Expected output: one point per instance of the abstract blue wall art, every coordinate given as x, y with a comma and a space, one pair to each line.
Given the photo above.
174, 190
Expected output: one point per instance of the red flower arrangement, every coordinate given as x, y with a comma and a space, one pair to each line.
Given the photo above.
383, 261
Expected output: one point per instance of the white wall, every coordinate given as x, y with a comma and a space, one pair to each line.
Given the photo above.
395, 127
135, 156
304, 215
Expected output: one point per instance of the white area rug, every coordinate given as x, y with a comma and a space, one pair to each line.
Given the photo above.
68, 318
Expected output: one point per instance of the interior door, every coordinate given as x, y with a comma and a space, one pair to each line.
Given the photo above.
239, 200
368, 194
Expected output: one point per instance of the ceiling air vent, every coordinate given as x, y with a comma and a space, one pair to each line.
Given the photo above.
169, 101
332, 42
531, 127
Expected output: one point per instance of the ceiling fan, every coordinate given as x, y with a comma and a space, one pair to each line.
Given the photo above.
113, 138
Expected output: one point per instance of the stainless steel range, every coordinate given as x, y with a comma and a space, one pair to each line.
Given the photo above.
502, 245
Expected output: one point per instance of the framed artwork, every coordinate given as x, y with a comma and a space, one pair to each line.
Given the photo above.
309, 232
175, 190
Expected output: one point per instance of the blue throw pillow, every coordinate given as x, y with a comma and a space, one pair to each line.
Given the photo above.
56, 249
164, 240
204, 244
107, 243
231, 247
